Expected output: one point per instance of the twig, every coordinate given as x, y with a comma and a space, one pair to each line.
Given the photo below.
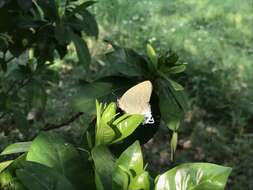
49, 126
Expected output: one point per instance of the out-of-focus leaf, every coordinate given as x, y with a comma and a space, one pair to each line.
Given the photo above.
21, 121
140, 181
126, 62
85, 100
52, 151
7, 172
82, 7
176, 69
104, 165
61, 6
173, 144
127, 126
50, 75
4, 42
39, 14
62, 50
152, 55
167, 60
173, 124
40, 177
21, 40
197, 176
172, 103
62, 34
19, 147
36, 95
49, 9
81, 49
104, 90
175, 85
6, 178
120, 179
90, 24
25, 4
99, 185
5, 103
3, 65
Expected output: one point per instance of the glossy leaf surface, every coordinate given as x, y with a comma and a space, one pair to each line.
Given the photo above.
52, 151
195, 176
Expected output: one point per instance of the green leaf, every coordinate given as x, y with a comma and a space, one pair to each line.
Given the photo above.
52, 151
3, 65
19, 147
6, 178
175, 85
89, 24
62, 34
168, 60
120, 179
4, 165
197, 176
39, 177
49, 9
152, 55
140, 181
104, 133
173, 144
131, 159
172, 103
177, 69
38, 11
104, 166
82, 7
127, 126
105, 90
25, 4
85, 100
81, 49
61, 7
21, 121
125, 61
36, 95
98, 182
84, 21
173, 124
109, 113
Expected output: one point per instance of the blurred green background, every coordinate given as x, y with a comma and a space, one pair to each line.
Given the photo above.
215, 39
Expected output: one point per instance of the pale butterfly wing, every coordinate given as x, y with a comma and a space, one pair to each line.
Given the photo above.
136, 100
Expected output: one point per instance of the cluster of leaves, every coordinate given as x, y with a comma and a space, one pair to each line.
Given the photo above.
49, 162
122, 68
36, 32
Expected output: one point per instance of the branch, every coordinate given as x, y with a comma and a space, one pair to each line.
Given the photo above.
49, 126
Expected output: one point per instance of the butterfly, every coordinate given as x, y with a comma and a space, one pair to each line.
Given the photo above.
136, 101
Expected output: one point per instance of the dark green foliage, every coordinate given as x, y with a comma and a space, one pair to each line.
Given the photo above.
36, 32
52, 163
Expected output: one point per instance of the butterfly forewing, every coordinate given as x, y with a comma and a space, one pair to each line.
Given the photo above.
136, 99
